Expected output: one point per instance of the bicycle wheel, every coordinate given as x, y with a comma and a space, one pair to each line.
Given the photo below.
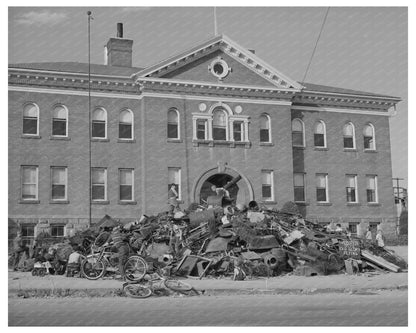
137, 291
93, 268
177, 285
135, 268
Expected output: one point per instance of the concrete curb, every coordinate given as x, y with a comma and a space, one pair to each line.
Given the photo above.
117, 292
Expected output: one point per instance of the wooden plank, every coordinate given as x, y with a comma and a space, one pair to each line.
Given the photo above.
380, 261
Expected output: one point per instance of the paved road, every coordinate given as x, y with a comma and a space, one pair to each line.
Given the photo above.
385, 308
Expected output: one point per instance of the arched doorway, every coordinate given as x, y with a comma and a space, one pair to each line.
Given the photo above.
242, 192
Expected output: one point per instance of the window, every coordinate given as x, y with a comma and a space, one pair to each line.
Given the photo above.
99, 184
298, 133
201, 129
219, 125
173, 124
322, 188
352, 228
299, 186
349, 135
319, 135
372, 196
126, 184
60, 121
99, 124
28, 234
59, 183
351, 188
125, 125
174, 177
29, 182
265, 128
238, 131
219, 68
369, 140
57, 231
31, 119
267, 185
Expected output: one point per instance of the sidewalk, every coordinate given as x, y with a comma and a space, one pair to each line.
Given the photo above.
285, 284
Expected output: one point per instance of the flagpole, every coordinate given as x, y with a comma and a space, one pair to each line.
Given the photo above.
215, 21
89, 117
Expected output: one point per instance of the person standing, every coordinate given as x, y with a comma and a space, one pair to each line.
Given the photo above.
173, 199
379, 238
122, 247
18, 249
369, 235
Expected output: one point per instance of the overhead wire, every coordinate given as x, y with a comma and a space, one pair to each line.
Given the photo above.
316, 45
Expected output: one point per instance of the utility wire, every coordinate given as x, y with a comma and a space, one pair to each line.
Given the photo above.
89, 120
316, 44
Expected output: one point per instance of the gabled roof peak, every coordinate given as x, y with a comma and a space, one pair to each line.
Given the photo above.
231, 48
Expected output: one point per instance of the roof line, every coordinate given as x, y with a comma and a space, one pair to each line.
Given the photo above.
19, 69
355, 95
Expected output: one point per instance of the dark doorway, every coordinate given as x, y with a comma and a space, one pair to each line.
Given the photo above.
219, 180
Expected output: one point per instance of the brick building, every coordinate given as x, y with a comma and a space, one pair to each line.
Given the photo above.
196, 119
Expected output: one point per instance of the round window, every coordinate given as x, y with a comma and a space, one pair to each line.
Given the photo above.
219, 68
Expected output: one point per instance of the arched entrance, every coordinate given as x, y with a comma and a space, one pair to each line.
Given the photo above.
242, 192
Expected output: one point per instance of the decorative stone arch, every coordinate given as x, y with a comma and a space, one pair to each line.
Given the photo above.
220, 105
224, 169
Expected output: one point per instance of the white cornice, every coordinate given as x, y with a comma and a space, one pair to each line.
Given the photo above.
217, 99
72, 92
315, 92
340, 110
214, 84
127, 77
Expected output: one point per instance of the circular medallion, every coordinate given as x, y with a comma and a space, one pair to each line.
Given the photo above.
202, 107
238, 109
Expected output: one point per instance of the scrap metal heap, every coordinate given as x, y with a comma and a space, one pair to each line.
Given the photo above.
227, 241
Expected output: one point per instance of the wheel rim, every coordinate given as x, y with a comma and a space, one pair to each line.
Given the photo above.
137, 291
92, 268
135, 268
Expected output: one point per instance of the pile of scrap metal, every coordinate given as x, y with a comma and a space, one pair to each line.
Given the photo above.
243, 242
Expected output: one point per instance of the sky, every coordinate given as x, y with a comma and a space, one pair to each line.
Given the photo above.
360, 48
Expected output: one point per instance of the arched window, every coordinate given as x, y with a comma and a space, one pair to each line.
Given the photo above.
99, 124
319, 134
349, 135
31, 119
298, 133
219, 125
173, 124
125, 125
60, 121
369, 137
265, 128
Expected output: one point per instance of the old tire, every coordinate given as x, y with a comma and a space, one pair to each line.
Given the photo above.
135, 268
93, 268
137, 291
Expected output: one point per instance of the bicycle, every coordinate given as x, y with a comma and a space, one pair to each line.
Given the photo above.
154, 285
95, 265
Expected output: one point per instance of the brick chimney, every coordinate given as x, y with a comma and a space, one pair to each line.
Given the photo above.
118, 51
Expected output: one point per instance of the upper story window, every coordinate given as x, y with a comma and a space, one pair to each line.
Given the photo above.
267, 191
351, 188
99, 184
369, 137
322, 188
173, 124
265, 128
298, 133
31, 119
125, 125
99, 124
349, 135
59, 183
299, 186
219, 125
60, 121
126, 184
29, 182
372, 195
319, 134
